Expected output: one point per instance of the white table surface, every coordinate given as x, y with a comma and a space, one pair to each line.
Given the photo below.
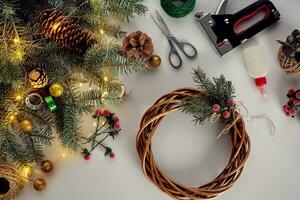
189, 154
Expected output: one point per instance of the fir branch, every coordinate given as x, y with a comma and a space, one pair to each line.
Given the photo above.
216, 91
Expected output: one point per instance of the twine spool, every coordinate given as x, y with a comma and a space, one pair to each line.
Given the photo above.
240, 150
290, 65
178, 11
10, 181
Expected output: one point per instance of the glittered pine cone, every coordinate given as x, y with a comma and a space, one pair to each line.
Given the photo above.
289, 53
138, 45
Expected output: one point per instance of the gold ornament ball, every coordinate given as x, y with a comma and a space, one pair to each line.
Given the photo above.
56, 89
154, 61
39, 184
47, 166
26, 125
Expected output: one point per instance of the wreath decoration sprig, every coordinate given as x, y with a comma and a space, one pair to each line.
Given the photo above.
210, 101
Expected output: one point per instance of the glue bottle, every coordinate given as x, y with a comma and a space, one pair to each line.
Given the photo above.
256, 64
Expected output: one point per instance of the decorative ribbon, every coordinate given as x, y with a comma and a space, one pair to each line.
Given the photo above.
51, 104
178, 11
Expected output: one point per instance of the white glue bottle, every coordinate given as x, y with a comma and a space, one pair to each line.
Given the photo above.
256, 64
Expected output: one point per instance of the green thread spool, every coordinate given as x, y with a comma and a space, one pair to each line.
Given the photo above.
178, 8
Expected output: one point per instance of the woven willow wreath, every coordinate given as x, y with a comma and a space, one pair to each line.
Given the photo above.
182, 99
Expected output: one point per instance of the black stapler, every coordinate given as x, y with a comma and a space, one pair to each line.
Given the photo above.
223, 29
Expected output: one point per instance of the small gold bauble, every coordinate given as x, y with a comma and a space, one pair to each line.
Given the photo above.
56, 89
38, 78
154, 61
47, 166
39, 184
26, 125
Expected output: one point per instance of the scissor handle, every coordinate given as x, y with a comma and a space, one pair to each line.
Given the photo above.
174, 52
183, 46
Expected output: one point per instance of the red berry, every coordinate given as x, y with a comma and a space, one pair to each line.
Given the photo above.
116, 118
296, 102
112, 155
230, 102
291, 99
292, 112
117, 126
98, 112
298, 95
106, 113
216, 107
87, 157
287, 114
291, 92
226, 114
286, 108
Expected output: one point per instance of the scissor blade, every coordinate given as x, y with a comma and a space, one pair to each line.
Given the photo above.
160, 26
162, 21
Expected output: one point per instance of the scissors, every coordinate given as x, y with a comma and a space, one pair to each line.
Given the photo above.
160, 22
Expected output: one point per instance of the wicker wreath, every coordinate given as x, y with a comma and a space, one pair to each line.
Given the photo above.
149, 123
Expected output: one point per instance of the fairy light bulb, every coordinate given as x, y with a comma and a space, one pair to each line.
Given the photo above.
19, 97
101, 31
55, 26
17, 40
105, 93
80, 84
105, 78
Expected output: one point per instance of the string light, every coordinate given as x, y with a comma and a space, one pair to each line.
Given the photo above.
80, 84
105, 93
55, 26
101, 31
18, 55
17, 40
105, 78
19, 97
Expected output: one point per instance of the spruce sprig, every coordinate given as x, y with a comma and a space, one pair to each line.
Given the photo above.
216, 91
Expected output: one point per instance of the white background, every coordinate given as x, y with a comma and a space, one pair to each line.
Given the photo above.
189, 154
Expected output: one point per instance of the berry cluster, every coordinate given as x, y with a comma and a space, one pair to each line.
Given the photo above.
293, 106
110, 127
292, 47
225, 112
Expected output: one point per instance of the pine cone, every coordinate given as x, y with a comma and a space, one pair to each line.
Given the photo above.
291, 47
138, 45
64, 31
